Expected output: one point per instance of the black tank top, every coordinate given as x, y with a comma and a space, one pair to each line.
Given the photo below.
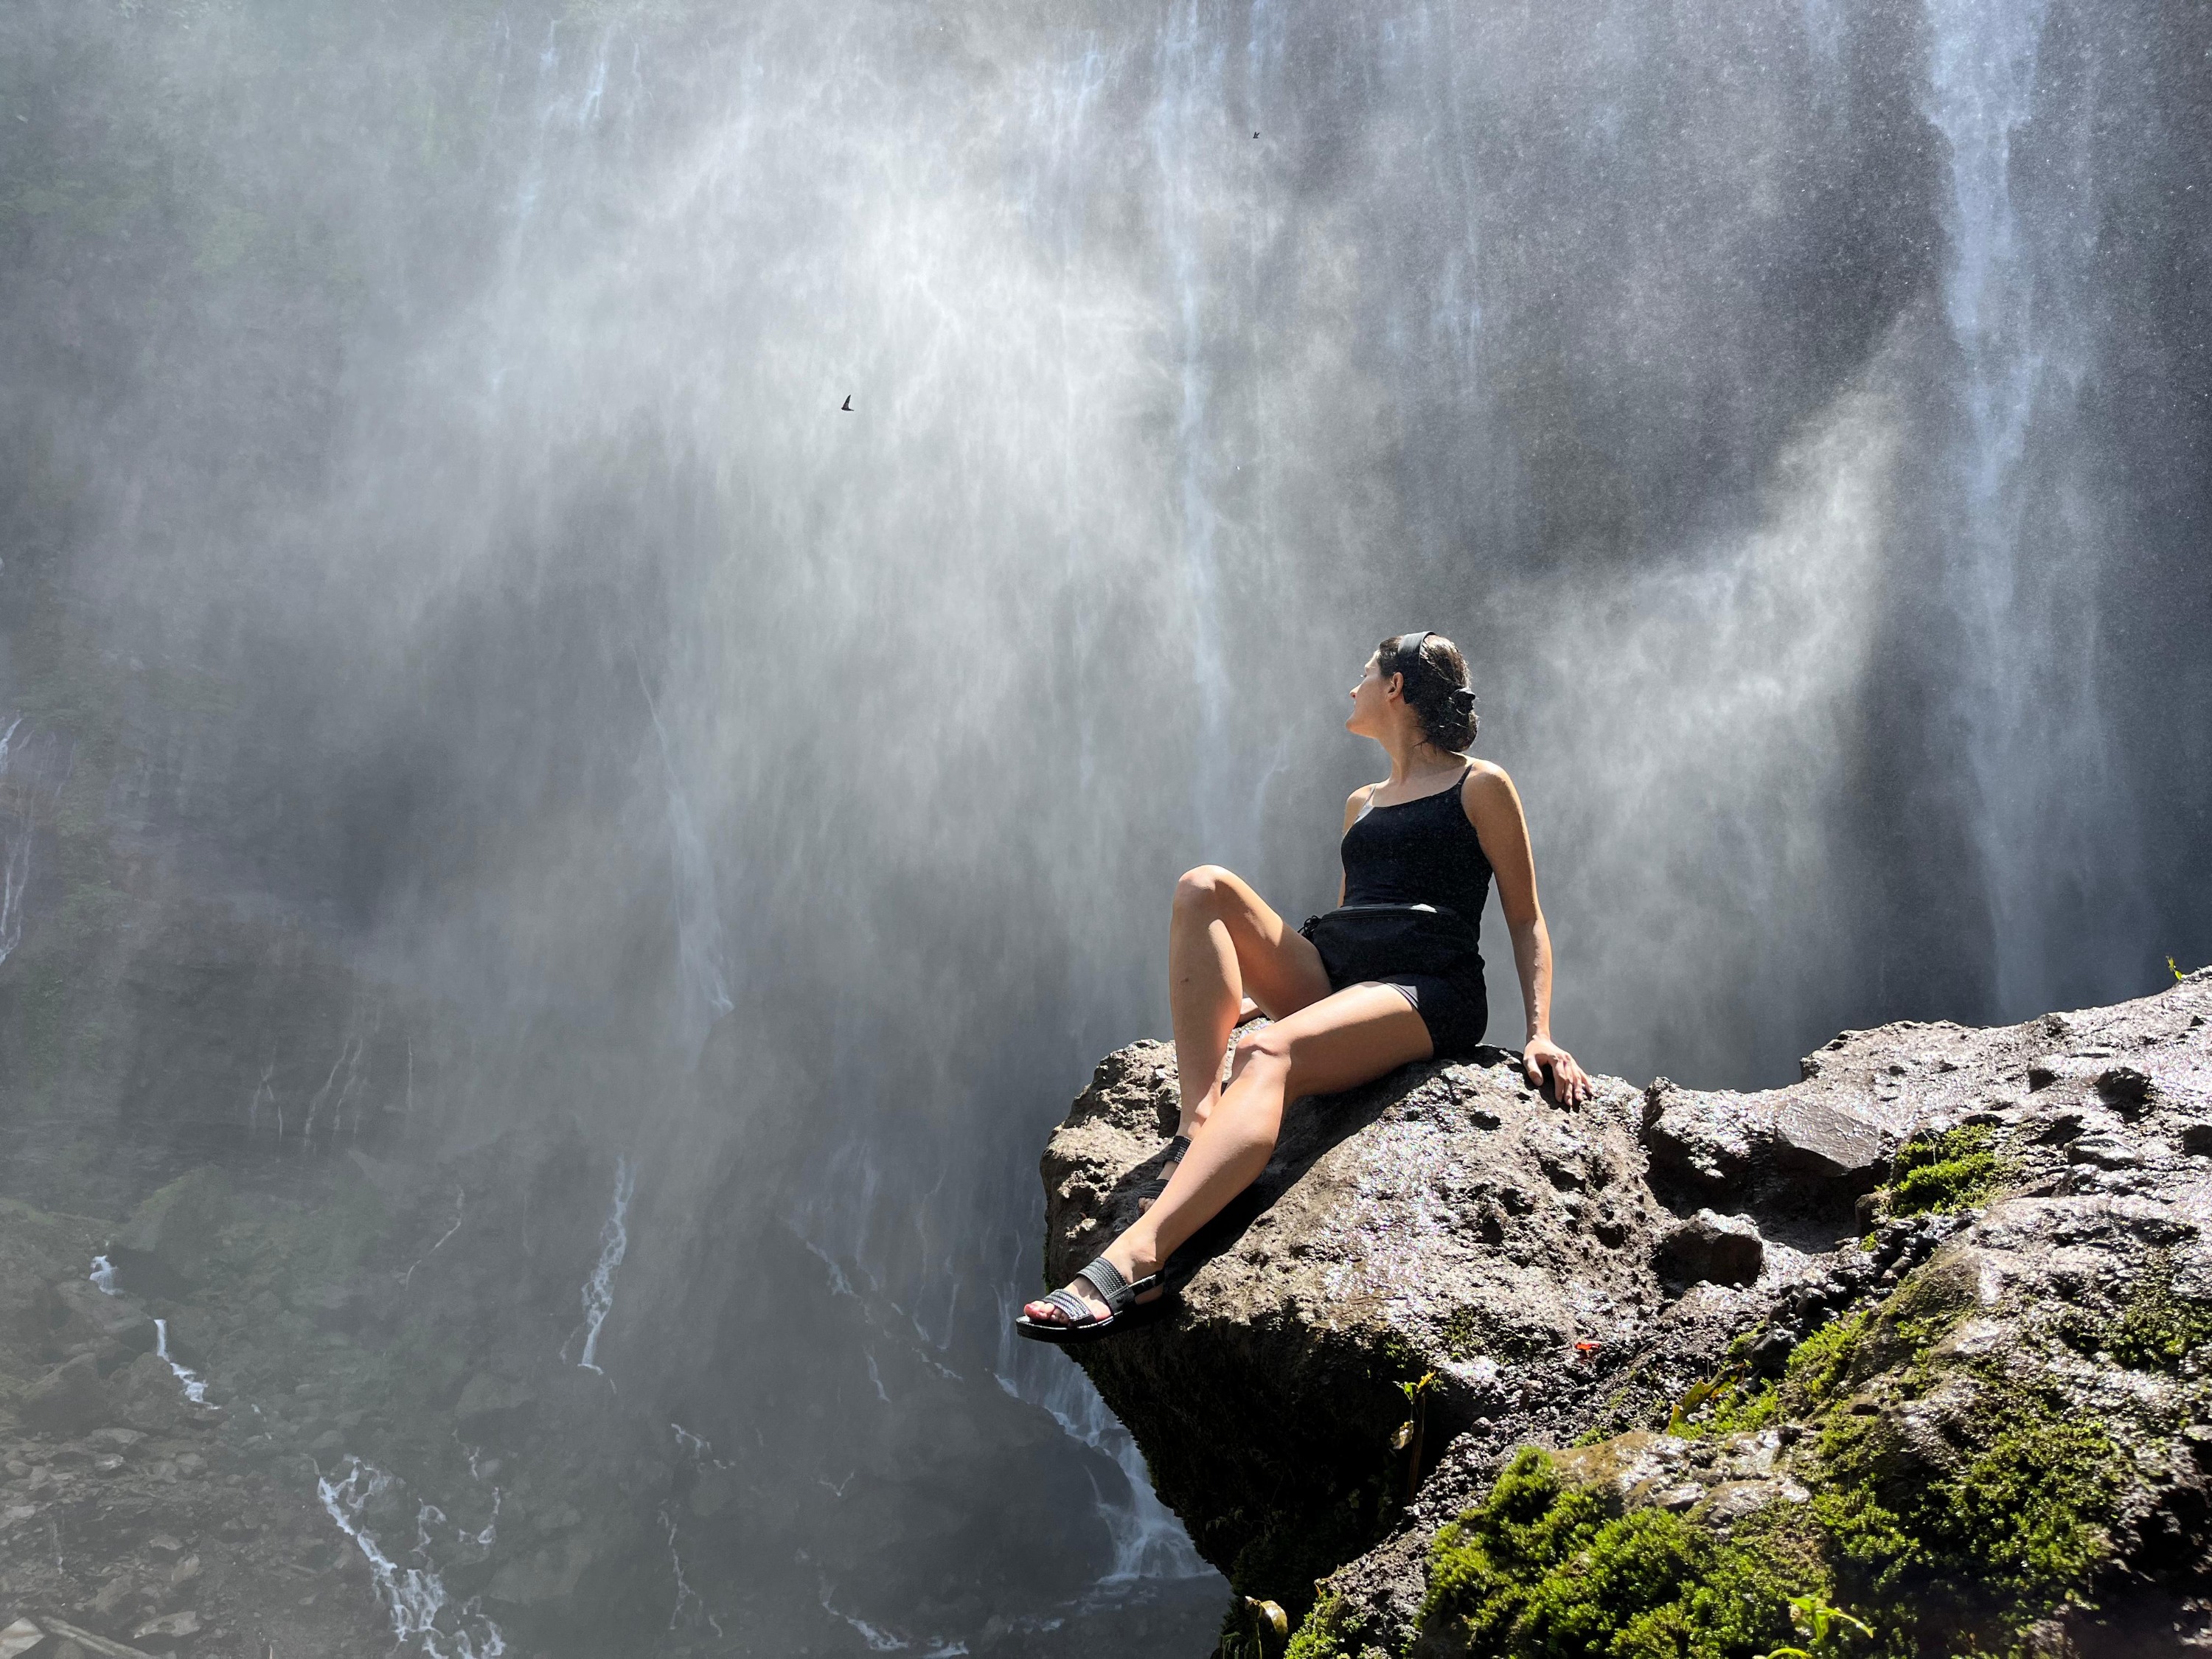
1419, 852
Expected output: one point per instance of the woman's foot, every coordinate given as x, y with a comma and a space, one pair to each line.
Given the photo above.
1126, 1262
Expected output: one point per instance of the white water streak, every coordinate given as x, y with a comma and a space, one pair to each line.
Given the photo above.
414, 1596
2037, 751
1148, 1541
599, 1291
14, 861
460, 1213
699, 955
103, 1275
194, 1387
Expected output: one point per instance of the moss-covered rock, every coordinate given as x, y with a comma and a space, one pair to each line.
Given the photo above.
1980, 1429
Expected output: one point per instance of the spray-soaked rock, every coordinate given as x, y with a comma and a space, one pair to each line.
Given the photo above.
170, 1237
68, 1399
148, 1397
1726, 1249
88, 1315
1441, 1266
491, 1405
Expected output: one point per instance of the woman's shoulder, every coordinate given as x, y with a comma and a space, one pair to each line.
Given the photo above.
1356, 803
1487, 792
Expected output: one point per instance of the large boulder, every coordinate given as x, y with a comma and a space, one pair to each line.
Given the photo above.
1955, 1284
173, 1234
91, 1315
148, 1395
68, 1399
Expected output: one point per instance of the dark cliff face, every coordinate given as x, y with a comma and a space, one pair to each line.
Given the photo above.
1928, 1330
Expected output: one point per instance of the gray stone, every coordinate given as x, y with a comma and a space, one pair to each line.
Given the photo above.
90, 1314
1706, 1140
1825, 1140
147, 1396
2105, 1152
490, 1404
1438, 1223
86, 1642
171, 1237
174, 1626
68, 1399
1718, 1248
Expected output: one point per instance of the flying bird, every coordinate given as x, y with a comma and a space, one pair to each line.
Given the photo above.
847, 408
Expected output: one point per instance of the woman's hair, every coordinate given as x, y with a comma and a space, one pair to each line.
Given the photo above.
1435, 686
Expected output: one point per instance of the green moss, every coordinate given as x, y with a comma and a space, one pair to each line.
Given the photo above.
1462, 1331
2156, 1330
1983, 1539
1819, 1370
1541, 1569
1335, 1630
1934, 1174
1822, 1364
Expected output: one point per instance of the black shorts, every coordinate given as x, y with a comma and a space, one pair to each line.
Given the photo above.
1433, 963
1456, 1010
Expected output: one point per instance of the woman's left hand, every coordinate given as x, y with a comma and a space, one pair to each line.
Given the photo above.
1570, 1085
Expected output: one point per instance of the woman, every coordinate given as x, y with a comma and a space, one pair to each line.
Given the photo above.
1394, 974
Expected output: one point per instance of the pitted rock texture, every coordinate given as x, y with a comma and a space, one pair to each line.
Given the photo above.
1569, 1276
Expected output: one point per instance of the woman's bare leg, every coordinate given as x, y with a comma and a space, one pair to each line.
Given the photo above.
1223, 942
1341, 1040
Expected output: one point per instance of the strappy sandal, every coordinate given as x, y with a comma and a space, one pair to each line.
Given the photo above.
1120, 1295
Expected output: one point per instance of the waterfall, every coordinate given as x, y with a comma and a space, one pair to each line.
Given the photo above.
415, 1596
1148, 1541
599, 1291
14, 857
195, 1388
700, 964
2022, 576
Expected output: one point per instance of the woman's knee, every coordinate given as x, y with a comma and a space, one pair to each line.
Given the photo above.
1202, 889
1267, 1047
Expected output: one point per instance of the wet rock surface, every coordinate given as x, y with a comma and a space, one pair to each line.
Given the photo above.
131, 1521
1702, 1303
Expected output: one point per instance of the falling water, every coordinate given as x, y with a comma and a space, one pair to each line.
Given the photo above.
2020, 579
700, 962
460, 1214
103, 1275
15, 858
1148, 1541
195, 1388
414, 1596
598, 1292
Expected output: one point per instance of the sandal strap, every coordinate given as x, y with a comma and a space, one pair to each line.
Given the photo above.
1176, 1148
1105, 1278
1117, 1292
1077, 1310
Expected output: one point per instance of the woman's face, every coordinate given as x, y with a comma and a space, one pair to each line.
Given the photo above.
1370, 700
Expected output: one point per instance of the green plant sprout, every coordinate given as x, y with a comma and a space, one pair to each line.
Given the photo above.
1408, 1438
1813, 1615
